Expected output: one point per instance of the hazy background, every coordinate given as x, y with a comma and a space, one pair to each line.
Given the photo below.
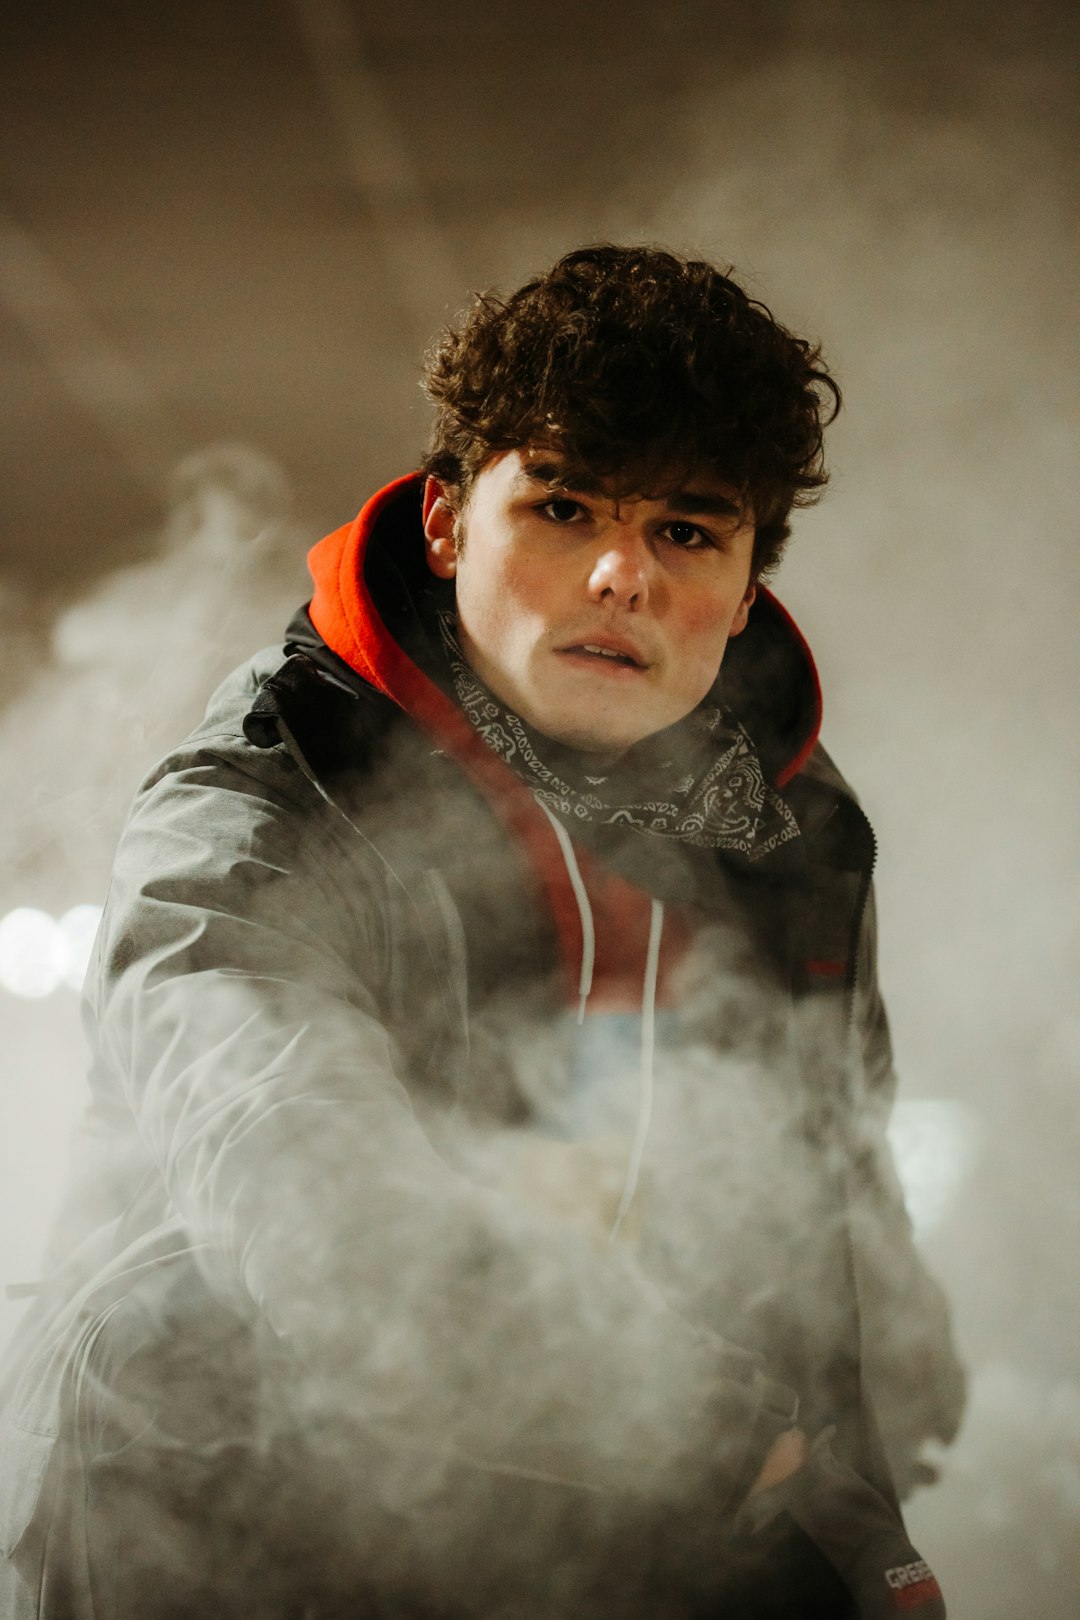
226, 232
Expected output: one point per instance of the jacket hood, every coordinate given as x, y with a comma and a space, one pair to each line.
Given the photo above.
371, 579
373, 615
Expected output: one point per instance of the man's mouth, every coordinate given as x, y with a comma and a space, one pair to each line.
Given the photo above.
606, 652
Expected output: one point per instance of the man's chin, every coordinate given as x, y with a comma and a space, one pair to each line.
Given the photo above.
602, 745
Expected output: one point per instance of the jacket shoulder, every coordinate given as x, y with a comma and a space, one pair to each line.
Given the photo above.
233, 698
274, 711
823, 770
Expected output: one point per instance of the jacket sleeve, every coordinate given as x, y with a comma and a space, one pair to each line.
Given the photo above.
409, 1300
915, 1375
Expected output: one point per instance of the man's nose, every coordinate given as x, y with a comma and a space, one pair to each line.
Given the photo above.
620, 571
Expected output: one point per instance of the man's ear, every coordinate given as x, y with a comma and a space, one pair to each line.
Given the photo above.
440, 524
742, 612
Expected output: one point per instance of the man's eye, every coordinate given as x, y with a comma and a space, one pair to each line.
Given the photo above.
687, 536
561, 510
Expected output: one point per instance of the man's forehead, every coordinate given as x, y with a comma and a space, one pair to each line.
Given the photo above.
701, 491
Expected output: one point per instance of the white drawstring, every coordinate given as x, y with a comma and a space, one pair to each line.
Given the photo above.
588, 932
648, 1005
648, 1047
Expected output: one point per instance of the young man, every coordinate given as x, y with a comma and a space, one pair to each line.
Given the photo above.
483, 1207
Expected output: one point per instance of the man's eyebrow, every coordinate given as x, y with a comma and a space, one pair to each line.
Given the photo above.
557, 475
698, 503
686, 502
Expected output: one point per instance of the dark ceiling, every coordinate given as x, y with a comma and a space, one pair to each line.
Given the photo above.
239, 221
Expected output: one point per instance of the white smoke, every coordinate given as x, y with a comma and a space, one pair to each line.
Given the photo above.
128, 669
90, 706
908, 206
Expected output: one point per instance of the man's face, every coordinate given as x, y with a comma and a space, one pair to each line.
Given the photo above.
598, 623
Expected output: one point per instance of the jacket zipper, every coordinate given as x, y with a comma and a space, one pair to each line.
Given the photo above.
851, 985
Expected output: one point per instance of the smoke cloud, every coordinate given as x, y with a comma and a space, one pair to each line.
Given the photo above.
898, 187
92, 701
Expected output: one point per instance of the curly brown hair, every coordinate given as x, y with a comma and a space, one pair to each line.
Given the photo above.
639, 368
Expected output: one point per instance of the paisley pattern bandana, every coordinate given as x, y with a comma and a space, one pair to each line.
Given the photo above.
702, 784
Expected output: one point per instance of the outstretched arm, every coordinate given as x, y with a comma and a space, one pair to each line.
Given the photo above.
236, 1010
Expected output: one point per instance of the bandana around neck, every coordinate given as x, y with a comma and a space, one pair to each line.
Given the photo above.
699, 782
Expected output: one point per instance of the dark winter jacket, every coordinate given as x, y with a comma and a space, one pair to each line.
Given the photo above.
331, 1013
